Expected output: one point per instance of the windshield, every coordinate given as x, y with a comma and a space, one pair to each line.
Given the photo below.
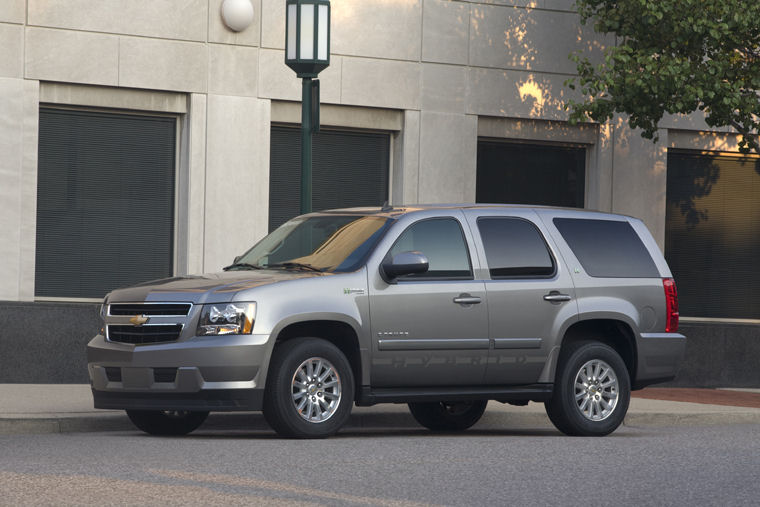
322, 243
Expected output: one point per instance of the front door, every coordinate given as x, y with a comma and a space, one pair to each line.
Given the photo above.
431, 329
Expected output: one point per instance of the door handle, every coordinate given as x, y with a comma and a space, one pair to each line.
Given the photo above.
466, 299
556, 297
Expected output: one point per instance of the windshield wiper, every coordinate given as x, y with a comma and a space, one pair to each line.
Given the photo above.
245, 265
296, 265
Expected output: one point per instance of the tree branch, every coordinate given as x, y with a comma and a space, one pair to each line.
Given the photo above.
747, 135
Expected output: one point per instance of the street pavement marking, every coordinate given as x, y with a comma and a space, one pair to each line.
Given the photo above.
232, 480
21, 489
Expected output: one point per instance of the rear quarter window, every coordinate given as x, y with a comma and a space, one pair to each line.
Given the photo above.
607, 248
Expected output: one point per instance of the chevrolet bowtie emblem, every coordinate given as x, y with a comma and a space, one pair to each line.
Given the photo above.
138, 320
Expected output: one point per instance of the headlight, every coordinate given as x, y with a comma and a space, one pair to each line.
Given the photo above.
227, 318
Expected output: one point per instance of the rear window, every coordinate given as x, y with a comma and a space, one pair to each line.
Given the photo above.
607, 248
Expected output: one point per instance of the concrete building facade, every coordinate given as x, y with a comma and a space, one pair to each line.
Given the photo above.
436, 77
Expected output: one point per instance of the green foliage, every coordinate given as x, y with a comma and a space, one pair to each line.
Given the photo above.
673, 56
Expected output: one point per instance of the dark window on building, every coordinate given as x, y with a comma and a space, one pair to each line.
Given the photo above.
514, 248
441, 240
105, 201
517, 173
349, 169
712, 234
607, 248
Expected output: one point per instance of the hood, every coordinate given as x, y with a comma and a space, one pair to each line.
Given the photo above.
206, 288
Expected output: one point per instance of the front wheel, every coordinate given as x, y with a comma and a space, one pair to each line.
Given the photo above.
166, 422
310, 389
448, 416
591, 392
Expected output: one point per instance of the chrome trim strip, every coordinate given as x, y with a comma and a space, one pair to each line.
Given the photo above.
517, 343
458, 344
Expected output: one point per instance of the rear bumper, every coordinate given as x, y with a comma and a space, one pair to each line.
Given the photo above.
659, 358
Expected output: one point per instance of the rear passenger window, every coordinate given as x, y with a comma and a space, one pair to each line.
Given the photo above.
441, 240
607, 248
514, 248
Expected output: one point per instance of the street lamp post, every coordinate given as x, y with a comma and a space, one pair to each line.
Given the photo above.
307, 52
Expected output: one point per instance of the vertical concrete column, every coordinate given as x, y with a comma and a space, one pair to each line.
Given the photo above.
237, 177
599, 170
406, 160
195, 171
19, 119
639, 177
448, 157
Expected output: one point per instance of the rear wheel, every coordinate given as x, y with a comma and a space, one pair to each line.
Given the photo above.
448, 416
310, 389
166, 422
591, 392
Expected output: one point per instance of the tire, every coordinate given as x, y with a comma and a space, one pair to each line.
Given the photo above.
310, 389
591, 392
167, 422
448, 416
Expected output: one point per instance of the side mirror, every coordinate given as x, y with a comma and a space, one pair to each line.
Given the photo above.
404, 263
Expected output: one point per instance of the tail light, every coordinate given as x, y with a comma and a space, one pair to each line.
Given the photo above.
671, 305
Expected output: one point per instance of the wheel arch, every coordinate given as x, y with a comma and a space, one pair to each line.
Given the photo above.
613, 332
340, 333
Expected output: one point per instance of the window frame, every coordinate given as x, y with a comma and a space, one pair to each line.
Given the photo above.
338, 129
588, 164
179, 177
516, 277
682, 144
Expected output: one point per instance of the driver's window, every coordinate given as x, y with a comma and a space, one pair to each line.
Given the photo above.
442, 241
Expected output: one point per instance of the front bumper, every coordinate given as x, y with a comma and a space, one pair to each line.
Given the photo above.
219, 373
209, 400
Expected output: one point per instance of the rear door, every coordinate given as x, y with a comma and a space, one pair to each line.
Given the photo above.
530, 293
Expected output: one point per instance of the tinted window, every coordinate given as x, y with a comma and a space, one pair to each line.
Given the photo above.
607, 248
442, 242
105, 201
514, 247
350, 169
712, 240
520, 173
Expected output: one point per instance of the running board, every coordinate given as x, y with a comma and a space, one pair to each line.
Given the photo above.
504, 394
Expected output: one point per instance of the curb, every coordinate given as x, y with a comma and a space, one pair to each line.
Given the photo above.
502, 421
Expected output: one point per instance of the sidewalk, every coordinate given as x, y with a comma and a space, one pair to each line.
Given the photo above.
60, 408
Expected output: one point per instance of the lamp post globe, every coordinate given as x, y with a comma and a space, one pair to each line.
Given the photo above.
307, 36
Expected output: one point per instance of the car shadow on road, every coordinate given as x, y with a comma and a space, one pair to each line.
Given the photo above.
247, 433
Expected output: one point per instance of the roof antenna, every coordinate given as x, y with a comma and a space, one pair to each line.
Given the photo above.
386, 207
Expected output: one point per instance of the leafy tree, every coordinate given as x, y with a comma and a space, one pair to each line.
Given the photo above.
673, 56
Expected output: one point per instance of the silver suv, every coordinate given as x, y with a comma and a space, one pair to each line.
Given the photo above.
441, 307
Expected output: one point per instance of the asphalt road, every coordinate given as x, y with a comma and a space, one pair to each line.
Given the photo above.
716, 465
